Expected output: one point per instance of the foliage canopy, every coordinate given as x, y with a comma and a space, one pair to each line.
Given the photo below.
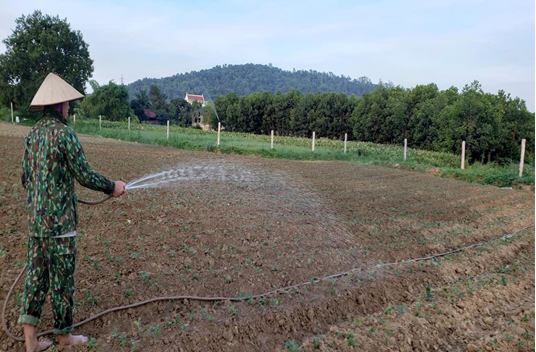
41, 44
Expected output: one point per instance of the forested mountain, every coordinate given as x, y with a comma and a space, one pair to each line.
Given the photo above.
249, 78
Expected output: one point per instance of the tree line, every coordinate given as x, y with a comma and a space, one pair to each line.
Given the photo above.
491, 124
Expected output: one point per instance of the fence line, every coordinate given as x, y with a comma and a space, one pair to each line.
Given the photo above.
345, 145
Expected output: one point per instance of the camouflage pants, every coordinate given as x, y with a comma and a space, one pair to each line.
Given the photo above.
51, 264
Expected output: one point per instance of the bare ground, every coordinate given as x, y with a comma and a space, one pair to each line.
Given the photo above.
250, 225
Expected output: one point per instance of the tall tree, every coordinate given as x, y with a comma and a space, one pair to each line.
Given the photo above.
209, 115
158, 99
301, 117
184, 111
140, 103
474, 119
41, 44
110, 101
143, 99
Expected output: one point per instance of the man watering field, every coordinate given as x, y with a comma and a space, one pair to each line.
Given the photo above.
53, 159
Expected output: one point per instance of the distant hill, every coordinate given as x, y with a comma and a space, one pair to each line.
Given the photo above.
249, 78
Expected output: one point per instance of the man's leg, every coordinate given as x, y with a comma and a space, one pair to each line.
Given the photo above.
30, 337
62, 288
35, 290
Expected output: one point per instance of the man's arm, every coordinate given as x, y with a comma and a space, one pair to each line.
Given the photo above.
79, 166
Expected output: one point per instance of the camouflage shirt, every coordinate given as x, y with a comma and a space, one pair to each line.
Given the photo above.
53, 159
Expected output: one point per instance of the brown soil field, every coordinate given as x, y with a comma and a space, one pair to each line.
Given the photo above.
239, 226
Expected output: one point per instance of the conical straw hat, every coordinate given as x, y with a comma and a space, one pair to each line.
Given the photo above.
53, 90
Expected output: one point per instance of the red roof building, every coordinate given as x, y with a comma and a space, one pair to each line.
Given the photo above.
149, 114
190, 98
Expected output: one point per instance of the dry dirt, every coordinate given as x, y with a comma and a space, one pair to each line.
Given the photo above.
248, 225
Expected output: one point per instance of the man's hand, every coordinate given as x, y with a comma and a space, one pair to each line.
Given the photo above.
119, 188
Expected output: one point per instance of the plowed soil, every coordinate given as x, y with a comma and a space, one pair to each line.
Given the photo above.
246, 225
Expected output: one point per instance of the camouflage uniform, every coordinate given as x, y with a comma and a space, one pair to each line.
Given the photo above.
53, 159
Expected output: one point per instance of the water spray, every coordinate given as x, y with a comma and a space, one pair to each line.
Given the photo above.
210, 99
187, 173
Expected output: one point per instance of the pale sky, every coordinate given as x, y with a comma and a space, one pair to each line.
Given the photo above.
450, 43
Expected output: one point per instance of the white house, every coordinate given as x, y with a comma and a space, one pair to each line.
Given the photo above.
190, 98
197, 118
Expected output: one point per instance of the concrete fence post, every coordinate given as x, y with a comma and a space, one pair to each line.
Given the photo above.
463, 155
522, 161
219, 130
345, 139
314, 135
167, 133
11, 112
100, 122
405, 148
272, 139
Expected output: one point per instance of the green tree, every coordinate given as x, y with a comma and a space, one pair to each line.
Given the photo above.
158, 99
110, 101
196, 105
259, 102
396, 116
161, 116
221, 108
232, 115
184, 111
517, 123
172, 113
143, 99
369, 118
41, 44
209, 116
302, 116
474, 119
138, 109
223, 105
